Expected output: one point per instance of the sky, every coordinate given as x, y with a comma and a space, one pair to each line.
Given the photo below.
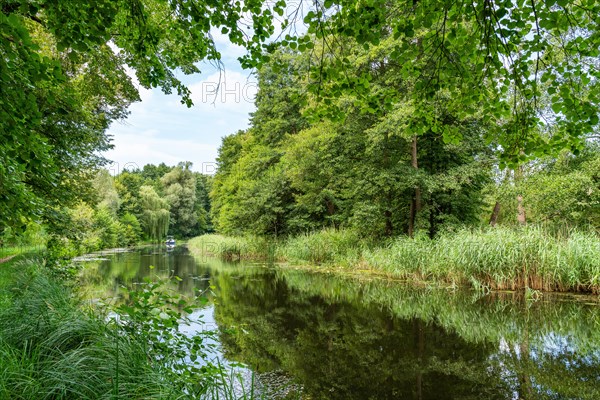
161, 129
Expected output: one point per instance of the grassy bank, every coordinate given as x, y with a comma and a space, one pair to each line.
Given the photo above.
233, 248
11, 251
55, 346
498, 258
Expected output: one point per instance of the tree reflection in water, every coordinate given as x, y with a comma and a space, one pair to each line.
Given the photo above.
342, 338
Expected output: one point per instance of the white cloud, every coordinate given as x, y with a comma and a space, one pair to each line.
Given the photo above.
161, 129
132, 151
225, 47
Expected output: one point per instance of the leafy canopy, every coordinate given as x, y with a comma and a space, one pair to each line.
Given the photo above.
63, 81
531, 67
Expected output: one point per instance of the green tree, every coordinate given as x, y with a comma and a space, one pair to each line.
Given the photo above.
557, 191
128, 186
179, 186
108, 228
280, 97
312, 164
82, 228
203, 206
107, 196
155, 214
251, 191
131, 228
152, 173
498, 56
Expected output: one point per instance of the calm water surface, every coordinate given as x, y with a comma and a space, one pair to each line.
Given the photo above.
338, 338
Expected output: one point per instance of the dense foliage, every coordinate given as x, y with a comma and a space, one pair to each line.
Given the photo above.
134, 206
63, 81
530, 67
369, 92
290, 173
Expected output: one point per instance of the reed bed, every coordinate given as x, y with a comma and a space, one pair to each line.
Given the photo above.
328, 246
493, 258
497, 258
232, 248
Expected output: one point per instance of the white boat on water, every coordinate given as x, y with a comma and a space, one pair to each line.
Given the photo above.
170, 242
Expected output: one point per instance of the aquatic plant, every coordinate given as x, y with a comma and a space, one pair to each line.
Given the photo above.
491, 258
499, 258
342, 247
232, 248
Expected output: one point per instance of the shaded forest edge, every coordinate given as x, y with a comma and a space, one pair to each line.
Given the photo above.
496, 258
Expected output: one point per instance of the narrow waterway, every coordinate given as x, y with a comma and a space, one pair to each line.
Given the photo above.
317, 336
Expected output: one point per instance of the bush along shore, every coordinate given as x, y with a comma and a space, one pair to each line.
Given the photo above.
54, 345
494, 258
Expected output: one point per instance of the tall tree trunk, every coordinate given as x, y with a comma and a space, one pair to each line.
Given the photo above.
389, 225
330, 207
495, 213
415, 204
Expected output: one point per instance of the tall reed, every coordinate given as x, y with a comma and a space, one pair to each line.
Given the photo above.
232, 248
496, 258
328, 246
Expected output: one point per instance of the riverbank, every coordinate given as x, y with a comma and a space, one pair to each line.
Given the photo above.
54, 344
497, 259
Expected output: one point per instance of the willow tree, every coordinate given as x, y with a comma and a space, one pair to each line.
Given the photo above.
155, 213
107, 196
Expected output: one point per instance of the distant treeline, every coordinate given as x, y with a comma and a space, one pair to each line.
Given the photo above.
136, 205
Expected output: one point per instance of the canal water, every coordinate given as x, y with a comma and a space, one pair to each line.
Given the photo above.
318, 336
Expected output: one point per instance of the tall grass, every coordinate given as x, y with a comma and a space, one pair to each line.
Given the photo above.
233, 248
496, 258
328, 246
53, 346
